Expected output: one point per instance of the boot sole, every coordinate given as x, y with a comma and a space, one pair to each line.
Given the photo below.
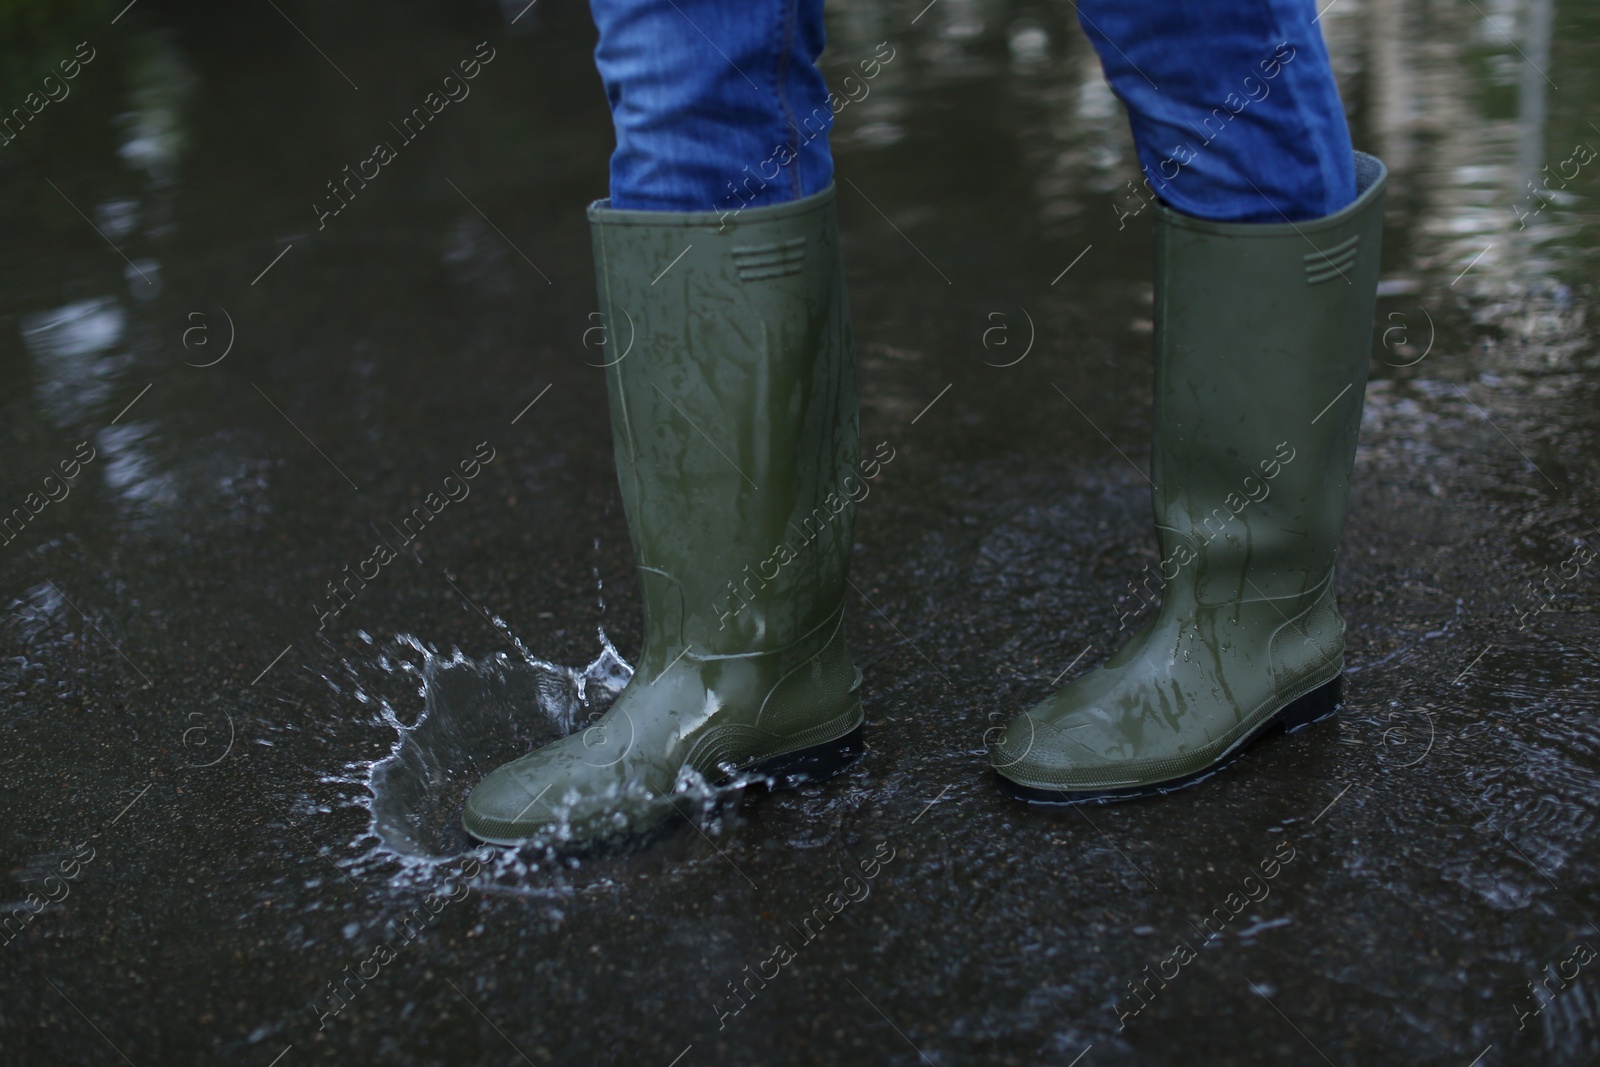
808, 765
1319, 704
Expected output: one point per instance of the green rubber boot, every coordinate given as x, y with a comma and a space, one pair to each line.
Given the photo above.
733, 411
1262, 338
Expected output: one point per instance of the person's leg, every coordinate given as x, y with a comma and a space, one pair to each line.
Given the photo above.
731, 379
1235, 112
716, 105
1267, 239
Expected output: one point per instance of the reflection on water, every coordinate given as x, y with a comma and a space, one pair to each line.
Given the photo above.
131, 470
75, 364
1533, 85
161, 83
1435, 81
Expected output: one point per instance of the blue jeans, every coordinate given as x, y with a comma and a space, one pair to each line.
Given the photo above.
718, 104
1233, 104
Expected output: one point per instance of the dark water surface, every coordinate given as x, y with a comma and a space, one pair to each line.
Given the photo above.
240, 791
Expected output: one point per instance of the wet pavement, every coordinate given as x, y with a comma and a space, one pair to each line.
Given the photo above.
232, 774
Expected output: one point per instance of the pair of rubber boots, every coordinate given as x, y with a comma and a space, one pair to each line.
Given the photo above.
731, 378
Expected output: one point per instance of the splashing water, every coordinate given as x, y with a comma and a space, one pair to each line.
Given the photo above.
476, 715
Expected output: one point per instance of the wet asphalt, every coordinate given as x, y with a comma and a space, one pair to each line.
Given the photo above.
228, 829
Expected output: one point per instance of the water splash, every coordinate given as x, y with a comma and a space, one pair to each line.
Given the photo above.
476, 714
454, 718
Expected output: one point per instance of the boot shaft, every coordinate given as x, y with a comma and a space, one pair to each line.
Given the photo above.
731, 379
1262, 339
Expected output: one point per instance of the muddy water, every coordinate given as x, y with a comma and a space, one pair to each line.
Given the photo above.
232, 773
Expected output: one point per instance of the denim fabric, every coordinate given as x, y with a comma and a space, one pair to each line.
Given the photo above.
1234, 108
717, 104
